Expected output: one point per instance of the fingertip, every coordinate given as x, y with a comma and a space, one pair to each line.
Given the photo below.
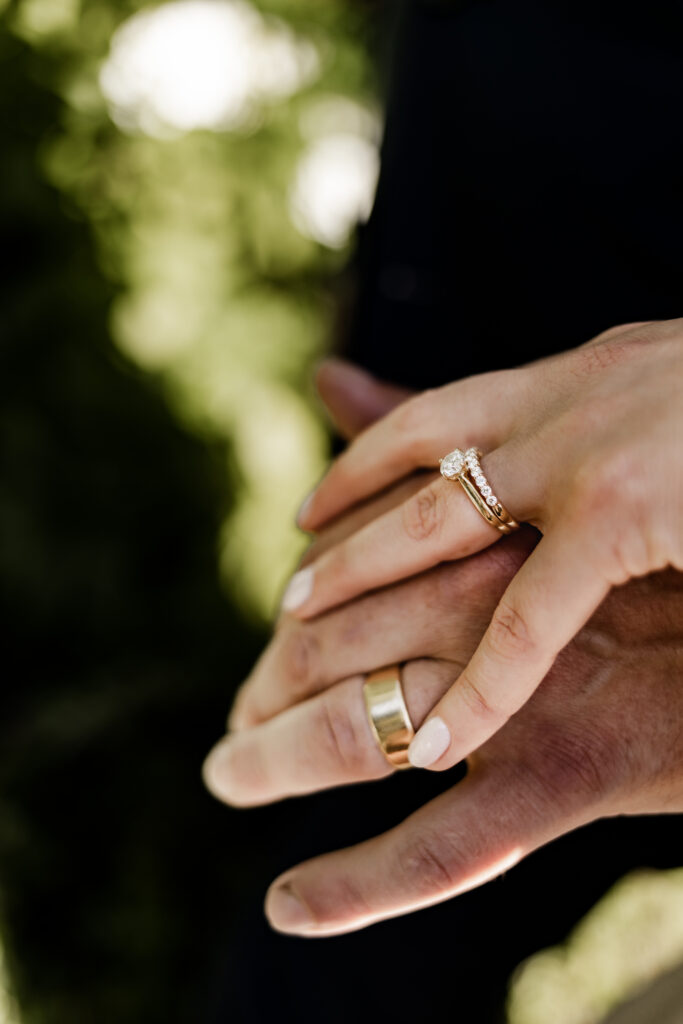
210, 770
304, 514
430, 743
286, 911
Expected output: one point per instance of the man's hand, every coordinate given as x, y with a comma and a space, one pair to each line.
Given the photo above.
603, 735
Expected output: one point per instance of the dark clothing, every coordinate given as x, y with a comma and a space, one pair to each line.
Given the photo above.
531, 196
532, 185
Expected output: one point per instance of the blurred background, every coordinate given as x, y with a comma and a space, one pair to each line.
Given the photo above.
181, 189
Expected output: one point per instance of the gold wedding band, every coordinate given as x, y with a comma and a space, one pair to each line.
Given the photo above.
465, 467
388, 714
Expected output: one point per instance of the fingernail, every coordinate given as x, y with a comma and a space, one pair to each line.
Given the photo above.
214, 769
299, 589
303, 511
286, 912
429, 743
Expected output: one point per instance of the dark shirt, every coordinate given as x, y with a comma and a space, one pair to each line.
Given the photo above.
531, 192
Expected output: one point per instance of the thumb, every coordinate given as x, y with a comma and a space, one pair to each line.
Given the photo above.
353, 397
463, 838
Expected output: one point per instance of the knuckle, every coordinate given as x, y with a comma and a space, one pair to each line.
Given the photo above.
594, 357
301, 659
413, 414
575, 765
509, 634
344, 746
617, 480
427, 864
475, 700
423, 513
341, 900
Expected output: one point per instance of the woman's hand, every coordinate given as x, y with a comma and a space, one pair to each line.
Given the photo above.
586, 446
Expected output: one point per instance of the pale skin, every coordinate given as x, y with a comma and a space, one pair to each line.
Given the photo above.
600, 736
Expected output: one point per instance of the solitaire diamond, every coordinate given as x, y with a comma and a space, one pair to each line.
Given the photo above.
453, 463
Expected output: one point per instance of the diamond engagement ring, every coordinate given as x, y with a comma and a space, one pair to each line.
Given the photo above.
465, 467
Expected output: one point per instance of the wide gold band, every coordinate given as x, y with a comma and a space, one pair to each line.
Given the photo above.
465, 467
388, 714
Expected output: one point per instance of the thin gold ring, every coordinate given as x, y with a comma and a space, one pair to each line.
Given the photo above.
388, 714
465, 467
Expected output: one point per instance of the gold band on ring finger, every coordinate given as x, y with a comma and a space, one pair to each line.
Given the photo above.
388, 714
465, 467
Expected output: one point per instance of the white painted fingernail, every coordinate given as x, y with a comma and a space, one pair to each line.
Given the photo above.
303, 511
299, 589
429, 743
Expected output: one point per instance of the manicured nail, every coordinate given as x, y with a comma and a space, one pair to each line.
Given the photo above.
299, 589
429, 743
286, 912
303, 511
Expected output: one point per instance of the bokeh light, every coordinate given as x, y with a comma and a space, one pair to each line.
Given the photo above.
634, 934
201, 64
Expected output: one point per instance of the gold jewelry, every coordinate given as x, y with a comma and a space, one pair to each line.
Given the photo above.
388, 714
465, 467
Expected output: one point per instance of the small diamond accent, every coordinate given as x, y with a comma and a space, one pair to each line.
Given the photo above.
492, 500
486, 490
480, 480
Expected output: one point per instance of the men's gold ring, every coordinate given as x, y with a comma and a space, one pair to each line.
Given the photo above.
388, 714
465, 467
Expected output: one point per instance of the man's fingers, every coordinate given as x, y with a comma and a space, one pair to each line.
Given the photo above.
415, 435
436, 524
548, 601
466, 836
355, 398
323, 742
442, 613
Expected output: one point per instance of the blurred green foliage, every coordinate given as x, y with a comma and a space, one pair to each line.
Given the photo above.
219, 294
158, 319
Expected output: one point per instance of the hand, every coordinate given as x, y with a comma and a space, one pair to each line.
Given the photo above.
602, 736
567, 748
585, 446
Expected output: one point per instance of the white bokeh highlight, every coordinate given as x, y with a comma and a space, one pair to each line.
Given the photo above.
201, 64
334, 187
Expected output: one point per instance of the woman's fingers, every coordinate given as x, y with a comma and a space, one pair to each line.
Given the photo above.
323, 742
357, 517
437, 523
466, 836
415, 435
548, 601
355, 398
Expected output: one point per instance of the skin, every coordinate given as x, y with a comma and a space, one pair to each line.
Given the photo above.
600, 736
585, 446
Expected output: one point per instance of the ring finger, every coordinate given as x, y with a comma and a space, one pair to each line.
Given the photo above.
436, 524
323, 742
